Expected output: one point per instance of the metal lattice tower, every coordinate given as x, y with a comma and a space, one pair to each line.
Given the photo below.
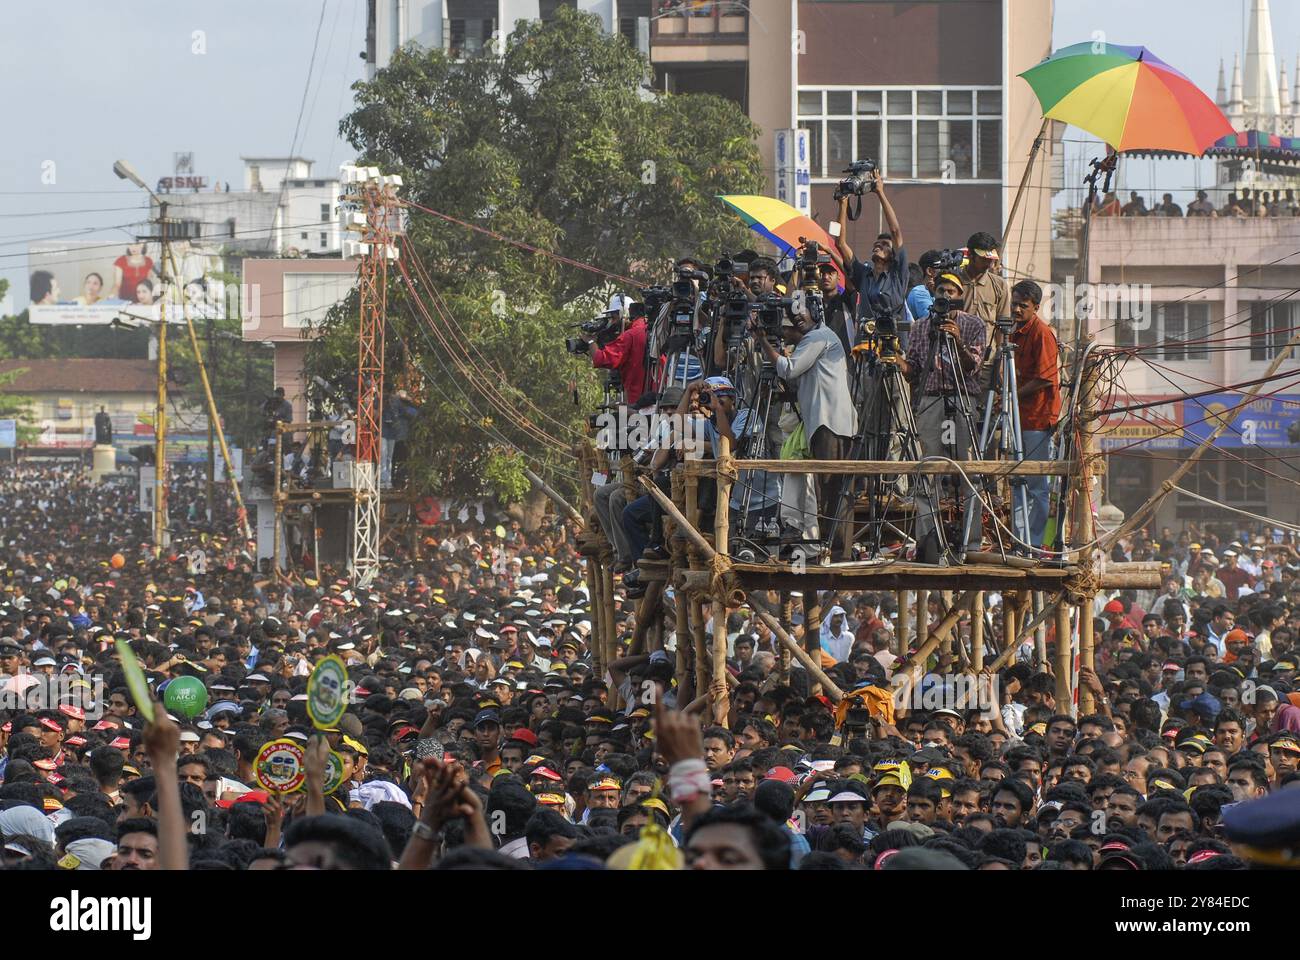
377, 220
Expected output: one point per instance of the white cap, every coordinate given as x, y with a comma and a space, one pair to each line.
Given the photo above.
619, 303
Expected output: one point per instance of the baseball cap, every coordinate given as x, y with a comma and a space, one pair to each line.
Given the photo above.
720, 384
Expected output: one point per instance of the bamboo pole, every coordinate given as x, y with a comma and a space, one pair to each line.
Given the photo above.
702, 677
922, 617
915, 668
1009, 652
1009, 619
809, 663
278, 500
997, 468
692, 510
558, 500
903, 628
1063, 666
721, 529
977, 631
1040, 633
598, 600
611, 637
947, 645
1084, 526
681, 628
1024, 182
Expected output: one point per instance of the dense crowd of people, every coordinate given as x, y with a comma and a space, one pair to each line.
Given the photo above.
483, 732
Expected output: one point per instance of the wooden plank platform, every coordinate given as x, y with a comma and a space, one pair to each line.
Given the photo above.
901, 575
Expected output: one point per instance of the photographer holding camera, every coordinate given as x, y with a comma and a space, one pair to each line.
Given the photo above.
882, 284
937, 392
763, 278
626, 352
717, 399
818, 369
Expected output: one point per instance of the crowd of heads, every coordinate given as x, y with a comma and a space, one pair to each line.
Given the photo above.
483, 704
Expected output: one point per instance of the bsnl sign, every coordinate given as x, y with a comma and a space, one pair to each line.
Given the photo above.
182, 183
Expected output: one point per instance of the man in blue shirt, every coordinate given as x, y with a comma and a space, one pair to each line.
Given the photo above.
922, 295
725, 419
881, 283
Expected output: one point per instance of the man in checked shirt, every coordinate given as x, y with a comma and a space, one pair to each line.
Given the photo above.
942, 429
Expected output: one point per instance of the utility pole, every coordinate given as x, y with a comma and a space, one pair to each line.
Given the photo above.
212, 359
160, 412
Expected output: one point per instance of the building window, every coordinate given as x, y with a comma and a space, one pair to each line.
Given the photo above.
546, 8
1169, 331
1232, 482
230, 227
309, 296
629, 11
468, 27
1271, 326
923, 134
322, 241
324, 213
303, 236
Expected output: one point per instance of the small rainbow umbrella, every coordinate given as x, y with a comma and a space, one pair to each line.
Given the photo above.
1128, 97
777, 221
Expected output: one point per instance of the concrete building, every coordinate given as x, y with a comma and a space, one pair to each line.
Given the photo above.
282, 210
927, 89
66, 394
292, 294
1214, 303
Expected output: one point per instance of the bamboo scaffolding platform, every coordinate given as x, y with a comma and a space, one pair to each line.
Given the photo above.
1047, 599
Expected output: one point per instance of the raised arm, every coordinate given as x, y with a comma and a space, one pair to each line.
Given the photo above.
162, 740
891, 218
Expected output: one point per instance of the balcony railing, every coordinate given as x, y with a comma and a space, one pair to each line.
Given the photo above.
699, 21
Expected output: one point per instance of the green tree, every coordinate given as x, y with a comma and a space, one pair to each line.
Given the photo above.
557, 144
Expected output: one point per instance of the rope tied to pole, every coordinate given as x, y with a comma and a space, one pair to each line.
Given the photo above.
726, 468
719, 568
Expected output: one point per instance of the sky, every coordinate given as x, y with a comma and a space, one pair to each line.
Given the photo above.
90, 81
1191, 35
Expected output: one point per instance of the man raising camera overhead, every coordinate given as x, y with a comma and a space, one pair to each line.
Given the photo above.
881, 284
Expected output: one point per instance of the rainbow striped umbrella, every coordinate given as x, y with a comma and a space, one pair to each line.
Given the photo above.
1128, 97
777, 221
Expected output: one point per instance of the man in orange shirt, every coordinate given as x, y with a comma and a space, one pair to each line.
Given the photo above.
1038, 376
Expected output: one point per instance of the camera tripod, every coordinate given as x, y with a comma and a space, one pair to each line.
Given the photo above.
944, 346
1002, 417
883, 414
754, 444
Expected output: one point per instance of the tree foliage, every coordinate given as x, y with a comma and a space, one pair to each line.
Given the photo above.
556, 144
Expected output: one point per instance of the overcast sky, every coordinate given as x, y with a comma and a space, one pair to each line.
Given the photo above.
91, 81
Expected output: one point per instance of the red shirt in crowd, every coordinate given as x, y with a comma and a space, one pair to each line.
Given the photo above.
626, 355
1037, 358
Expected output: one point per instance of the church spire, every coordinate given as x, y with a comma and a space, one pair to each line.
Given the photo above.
1260, 95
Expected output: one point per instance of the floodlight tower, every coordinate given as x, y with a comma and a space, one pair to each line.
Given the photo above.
373, 213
